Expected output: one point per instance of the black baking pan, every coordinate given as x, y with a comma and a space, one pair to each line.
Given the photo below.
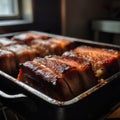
33, 104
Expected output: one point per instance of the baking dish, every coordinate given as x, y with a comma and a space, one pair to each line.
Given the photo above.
91, 104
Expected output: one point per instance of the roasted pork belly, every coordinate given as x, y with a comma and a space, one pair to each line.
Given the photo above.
61, 45
7, 62
22, 52
6, 42
38, 36
25, 38
52, 46
59, 77
84, 68
44, 47
103, 60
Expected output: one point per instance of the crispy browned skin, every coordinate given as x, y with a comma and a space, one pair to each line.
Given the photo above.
6, 42
44, 80
22, 52
59, 77
52, 46
44, 47
84, 68
102, 60
38, 36
27, 37
61, 45
7, 62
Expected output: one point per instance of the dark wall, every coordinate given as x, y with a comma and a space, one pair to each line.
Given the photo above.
80, 14
47, 16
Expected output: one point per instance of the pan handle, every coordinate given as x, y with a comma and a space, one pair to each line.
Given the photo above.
16, 97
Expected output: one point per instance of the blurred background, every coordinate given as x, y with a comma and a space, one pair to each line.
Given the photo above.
97, 20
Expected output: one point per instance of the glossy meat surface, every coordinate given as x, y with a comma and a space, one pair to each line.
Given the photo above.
28, 37
7, 62
52, 46
22, 52
6, 42
102, 60
67, 76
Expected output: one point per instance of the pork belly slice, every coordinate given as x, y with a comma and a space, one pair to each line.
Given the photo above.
6, 42
61, 45
109, 52
23, 52
105, 51
38, 36
44, 47
52, 46
26, 37
62, 78
86, 79
7, 62
45, 80
102, 61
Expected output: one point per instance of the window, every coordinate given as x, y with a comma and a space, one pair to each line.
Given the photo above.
9, 9
15, 12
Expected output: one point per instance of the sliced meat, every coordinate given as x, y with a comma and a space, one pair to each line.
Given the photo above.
38, 36
52, 46
61, 45
6, 42
83, 67
23, 52
7, 62
44, 47
44, 79
25, 38
59, 74
102, 60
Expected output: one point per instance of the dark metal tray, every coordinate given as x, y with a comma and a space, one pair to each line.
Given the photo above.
91, 104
